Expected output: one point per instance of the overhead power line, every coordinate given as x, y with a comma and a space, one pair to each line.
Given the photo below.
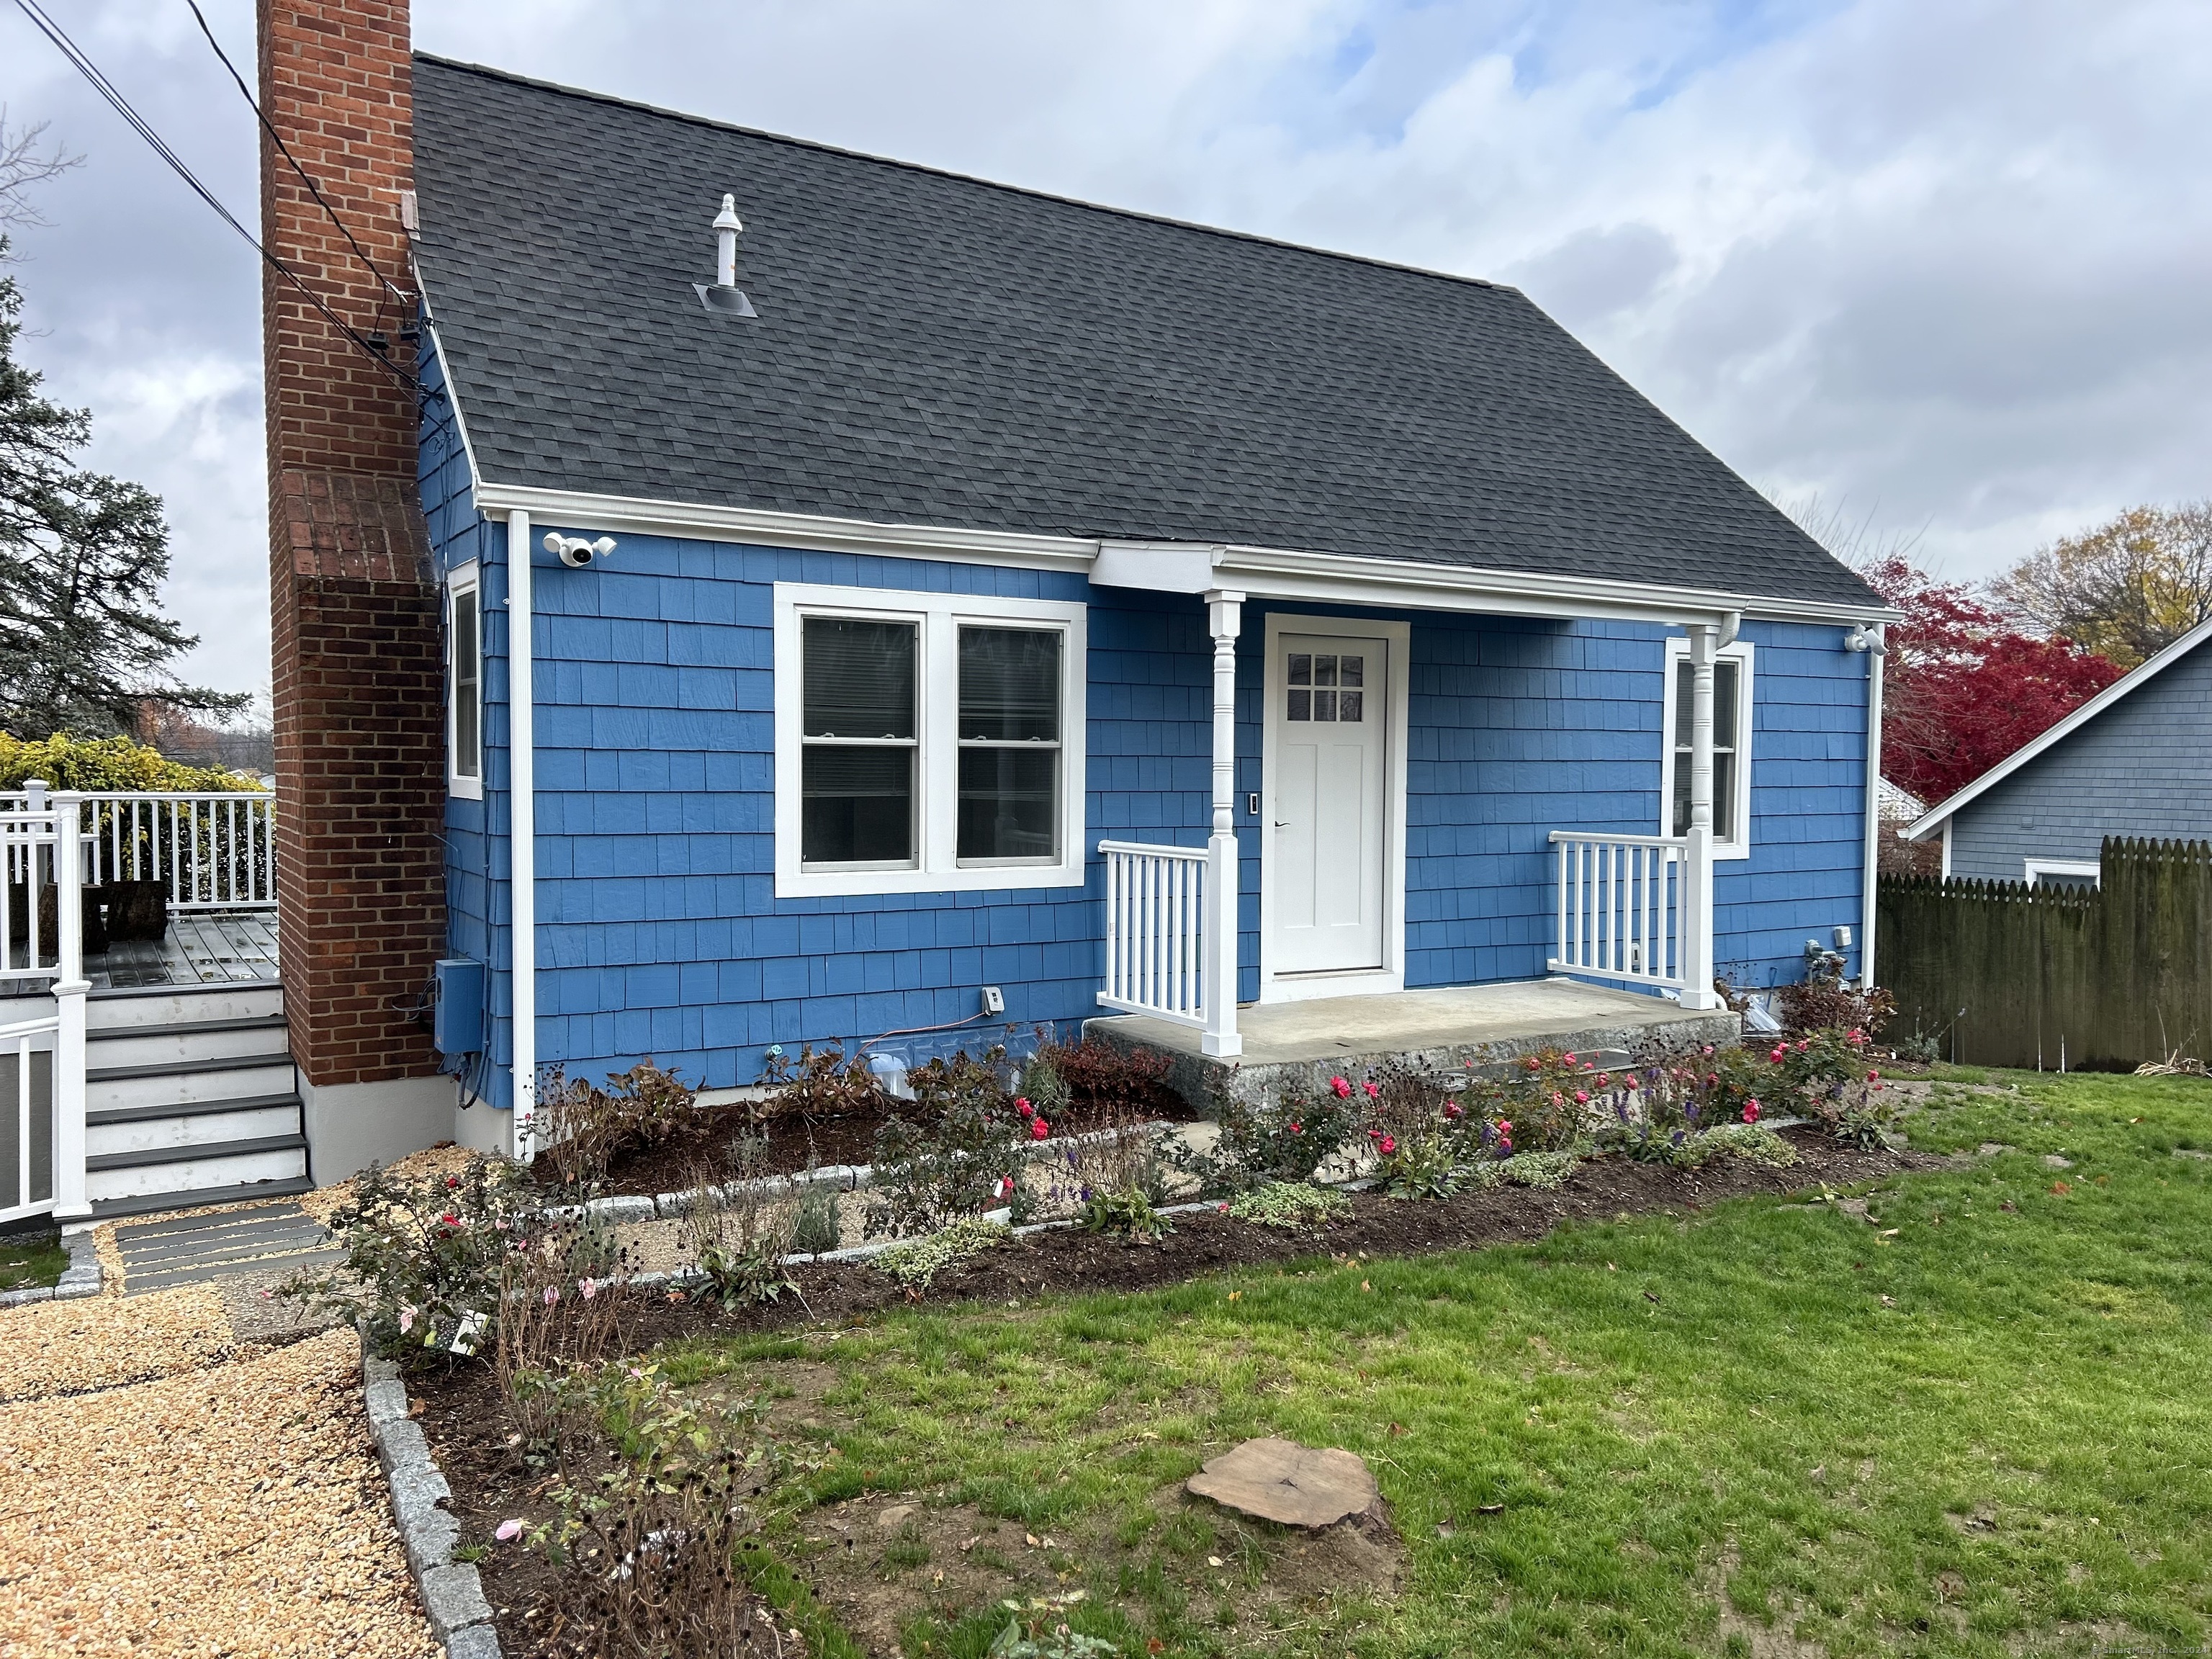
254, 104
138, 123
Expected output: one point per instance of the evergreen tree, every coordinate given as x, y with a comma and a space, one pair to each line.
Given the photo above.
82, 557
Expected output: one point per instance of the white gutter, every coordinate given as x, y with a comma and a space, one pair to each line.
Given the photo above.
522, 828
1873, 806
1176, 567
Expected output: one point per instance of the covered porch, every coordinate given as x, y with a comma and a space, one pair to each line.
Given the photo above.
1292, 918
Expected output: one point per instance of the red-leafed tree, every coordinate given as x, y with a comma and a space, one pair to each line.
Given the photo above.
1962, 688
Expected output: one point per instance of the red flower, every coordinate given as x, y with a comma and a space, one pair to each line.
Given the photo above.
1504, 1126
1296, 1130
1343, 1088
1374, 1089
1454, 1110
1024, 1108
1389, 1144
1581, 1098
1751, 1111
1605, 1079
450, 1219
1874, 1077
452, 1180
1039, 1128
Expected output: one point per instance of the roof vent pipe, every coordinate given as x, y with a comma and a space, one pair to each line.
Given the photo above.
726, 226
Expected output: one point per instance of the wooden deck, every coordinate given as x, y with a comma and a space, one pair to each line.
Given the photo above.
201, 947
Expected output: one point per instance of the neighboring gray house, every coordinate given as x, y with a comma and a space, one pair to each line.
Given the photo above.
2134, 760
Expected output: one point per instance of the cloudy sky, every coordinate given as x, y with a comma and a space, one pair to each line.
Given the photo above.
1947, 266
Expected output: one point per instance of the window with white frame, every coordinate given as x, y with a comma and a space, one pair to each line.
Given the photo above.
925, 742
2064, 873
1732, 670
465, 685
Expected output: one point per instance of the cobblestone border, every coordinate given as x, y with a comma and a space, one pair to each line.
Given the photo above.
452, 1591
81, 1278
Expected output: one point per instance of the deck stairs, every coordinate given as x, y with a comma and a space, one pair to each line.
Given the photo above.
190, 1098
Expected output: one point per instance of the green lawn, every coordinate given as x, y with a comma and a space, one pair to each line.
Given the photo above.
1980, 1423
31, 1259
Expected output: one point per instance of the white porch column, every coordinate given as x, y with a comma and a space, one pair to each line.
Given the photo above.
1223, 616
70, 1203
1698, 990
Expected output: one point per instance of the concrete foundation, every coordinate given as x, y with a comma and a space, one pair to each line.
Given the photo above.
1302, 1045
350, 1125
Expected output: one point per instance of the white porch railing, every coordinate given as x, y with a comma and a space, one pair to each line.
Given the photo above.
1156, 930
42, 852
211, 850
1626, 904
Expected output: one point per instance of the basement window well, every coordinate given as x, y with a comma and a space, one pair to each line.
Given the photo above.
925, 742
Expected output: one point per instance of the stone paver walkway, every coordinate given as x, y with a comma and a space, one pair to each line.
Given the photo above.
274, 1238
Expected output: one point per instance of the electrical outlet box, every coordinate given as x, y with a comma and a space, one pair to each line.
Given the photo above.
994, 999
456, 1026
1842, 939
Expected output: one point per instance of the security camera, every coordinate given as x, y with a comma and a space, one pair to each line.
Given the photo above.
575, 552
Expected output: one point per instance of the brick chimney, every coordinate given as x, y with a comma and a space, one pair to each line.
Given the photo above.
358, 674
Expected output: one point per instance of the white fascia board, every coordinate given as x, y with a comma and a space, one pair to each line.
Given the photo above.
453, 397
812, 531
2135, 677
1165, 567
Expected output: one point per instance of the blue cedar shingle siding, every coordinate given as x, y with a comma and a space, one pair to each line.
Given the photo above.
660, 932
2141, 767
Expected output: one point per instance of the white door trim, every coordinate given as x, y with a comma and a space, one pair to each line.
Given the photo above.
1391, 976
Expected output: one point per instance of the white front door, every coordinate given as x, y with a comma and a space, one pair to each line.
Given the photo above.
1328, 733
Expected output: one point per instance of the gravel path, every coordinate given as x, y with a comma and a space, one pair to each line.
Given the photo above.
227, 1503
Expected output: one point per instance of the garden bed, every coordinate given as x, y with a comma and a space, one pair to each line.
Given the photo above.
468, 1424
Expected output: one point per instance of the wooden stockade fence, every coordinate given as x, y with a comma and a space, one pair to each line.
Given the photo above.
2005, 974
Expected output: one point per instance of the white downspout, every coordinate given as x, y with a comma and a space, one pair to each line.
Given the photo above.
1872, 805
522, 829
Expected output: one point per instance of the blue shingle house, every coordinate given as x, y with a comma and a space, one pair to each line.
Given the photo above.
902, 596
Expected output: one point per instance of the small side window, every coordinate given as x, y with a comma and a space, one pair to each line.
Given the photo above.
465, 713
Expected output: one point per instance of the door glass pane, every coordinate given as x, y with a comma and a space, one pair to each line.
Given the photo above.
1348, 705
859, 679
1324, 705
1301, 705
1350, 670
1301, 668
856, 805
1324, 671
1009, 804
1010, 684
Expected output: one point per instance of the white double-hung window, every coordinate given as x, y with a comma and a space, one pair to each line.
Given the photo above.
925, 742
1731, 748
464, 686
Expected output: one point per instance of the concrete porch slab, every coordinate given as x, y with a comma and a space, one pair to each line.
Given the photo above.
1302, 1045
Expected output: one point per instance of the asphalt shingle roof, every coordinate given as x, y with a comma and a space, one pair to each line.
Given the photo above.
933, 349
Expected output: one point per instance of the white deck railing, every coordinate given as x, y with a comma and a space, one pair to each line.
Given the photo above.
211, 850
27, 1155
1625, 908
42, 852
1156, 930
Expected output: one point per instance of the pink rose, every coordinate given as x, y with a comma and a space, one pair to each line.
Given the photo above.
1039, 1128
552, 1294
1296, 1130
1374, 1089
1504, 1126
1343, 1088
1751, 1111
1389, 1144
1581, 1098
1026, 1108
1874, 1077
508, 1531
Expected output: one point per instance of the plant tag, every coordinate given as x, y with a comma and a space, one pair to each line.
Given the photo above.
467, 1334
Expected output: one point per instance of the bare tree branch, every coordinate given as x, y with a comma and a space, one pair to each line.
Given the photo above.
25, 163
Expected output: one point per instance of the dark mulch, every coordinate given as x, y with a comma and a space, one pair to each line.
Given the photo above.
794, 1143
467, 1424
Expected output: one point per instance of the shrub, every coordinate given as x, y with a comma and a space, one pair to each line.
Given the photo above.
1042, 1087
1114, 1171
110, 763
1128, 1212
1039, 1642
739, 1235
561, 1304
1754, 1143
1826, 1003
1546, 1102
820, 1084
1417, 1130
1104, 1080
818, 1228
587, 1128
1292, 1206
915, 1262
424, 1258
645, 1546
1546, 1170
1284, 1137
954, 1150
